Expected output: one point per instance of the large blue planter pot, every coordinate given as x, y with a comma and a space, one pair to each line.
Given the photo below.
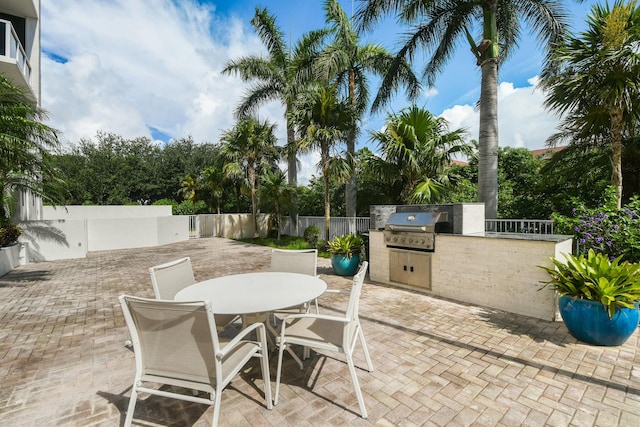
588, 321
344, 265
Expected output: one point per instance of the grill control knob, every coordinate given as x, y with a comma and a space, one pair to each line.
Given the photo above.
395, 239
388, 238
410, 240
422, 241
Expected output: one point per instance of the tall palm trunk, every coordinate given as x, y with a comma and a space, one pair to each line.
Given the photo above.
350, 188
488, 140
488, 135
616, 153
292, 171
324, 153
254, 200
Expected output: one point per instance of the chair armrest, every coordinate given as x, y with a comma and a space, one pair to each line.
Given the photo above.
236, 340
336, 291
312, 316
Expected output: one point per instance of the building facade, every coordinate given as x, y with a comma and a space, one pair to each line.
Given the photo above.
20, 63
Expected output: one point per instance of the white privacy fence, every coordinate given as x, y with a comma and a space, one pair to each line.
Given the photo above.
212, 225
203, 226
337, 226
207, 226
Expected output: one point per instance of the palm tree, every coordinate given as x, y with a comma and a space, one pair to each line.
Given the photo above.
188, 189
438, 27
323, 120
279, 76
249, 147
276, 191
212, 183
348, 61
416, 151
25, 150
595, 78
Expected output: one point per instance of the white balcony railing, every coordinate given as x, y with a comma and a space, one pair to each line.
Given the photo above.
528, 226
10, 47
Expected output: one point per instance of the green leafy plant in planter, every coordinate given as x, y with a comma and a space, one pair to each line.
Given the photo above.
598, 296
9, 235
345, 253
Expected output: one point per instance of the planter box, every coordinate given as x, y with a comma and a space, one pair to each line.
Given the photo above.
9, 258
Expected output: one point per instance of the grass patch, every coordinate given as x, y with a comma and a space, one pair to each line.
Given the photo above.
286, 242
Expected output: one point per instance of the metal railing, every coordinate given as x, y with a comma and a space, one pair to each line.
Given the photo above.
528, 226
207, 225
337, 226
11, 47
203, 226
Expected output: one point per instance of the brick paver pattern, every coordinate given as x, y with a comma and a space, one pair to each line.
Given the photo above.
436, 362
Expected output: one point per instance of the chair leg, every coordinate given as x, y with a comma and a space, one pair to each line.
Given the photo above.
278, 372
366, 350
132, 406
248, 319
266, 376
216, 406
356, 385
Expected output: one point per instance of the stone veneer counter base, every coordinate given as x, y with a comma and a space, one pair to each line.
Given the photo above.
494, 270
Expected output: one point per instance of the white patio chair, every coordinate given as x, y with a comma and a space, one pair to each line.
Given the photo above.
331, 333
170, 278
302, 261
175, 343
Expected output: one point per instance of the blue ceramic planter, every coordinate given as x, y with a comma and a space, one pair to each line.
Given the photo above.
345, 266
588, 321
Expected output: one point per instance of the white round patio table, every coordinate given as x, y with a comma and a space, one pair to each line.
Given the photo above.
254, 292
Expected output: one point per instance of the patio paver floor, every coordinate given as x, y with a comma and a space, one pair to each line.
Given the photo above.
437, 362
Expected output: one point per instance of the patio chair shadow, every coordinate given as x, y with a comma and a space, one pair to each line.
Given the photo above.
157, 409
307, 380
483, 352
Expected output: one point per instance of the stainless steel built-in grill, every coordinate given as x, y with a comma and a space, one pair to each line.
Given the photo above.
413, 230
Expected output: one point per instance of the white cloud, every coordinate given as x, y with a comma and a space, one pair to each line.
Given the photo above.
505, 89
430, 92
523, 121
134, 65
308, 167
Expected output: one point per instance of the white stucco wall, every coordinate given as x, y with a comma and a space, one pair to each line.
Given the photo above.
9, 259
104, 212
54, 239
126, 233
500, 273
172, 229
65, 239
240, 226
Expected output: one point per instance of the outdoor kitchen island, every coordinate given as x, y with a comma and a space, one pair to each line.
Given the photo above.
464, 263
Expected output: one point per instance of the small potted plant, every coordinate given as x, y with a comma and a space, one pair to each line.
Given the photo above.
345, 253
598, 296
312, 235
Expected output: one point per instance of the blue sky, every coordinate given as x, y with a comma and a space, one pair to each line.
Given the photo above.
152, 68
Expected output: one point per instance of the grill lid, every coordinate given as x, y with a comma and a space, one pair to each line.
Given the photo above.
424, 222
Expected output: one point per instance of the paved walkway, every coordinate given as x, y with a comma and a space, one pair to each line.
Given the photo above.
437, 362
